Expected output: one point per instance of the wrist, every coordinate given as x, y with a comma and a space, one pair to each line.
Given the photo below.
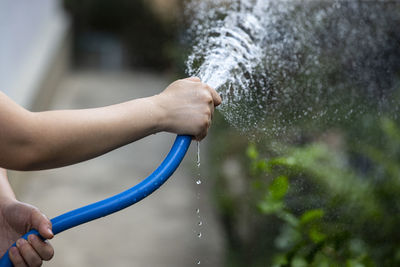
6, 198
6, 191
7, 201
158, 113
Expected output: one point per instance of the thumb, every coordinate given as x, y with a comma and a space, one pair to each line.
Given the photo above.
42, 224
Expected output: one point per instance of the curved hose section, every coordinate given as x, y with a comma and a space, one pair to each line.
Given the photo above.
120, 201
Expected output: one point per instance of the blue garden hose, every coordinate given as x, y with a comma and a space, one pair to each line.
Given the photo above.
120, 201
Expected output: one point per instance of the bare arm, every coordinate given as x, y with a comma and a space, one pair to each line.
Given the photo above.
31, 141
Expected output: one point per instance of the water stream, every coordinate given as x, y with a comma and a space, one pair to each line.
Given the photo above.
198, 183
254, 51
227, 52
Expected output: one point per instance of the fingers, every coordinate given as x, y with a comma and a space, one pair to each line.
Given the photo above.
29, 256
31, 253
42, 224
216, 97
213, 99
201, 136
16, 258
43, 249
204, 126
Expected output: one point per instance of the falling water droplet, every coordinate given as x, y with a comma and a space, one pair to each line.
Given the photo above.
198, 154
198, 182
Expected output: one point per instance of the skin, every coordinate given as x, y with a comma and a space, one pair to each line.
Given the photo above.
44, 140
17, 218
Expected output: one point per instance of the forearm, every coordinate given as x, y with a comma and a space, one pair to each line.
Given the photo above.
31, 141
57, 138
5, 188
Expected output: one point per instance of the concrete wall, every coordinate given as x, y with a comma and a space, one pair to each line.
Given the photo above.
33, 49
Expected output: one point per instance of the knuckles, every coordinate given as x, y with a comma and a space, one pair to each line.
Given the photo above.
206, 96
207, 112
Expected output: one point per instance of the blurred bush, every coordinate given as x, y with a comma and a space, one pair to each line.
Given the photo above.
312, 204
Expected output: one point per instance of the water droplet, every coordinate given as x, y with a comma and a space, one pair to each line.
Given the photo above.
198, 181
198, 154
199, 235
200, 223
197, 211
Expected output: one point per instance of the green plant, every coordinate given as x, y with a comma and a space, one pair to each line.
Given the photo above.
343, 217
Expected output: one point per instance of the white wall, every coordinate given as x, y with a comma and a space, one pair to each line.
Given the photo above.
30, 35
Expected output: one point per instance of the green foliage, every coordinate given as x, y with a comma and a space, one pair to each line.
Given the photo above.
336, 231
316, 203
272, 203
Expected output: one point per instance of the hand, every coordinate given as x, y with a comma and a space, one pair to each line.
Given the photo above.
188, 107
16, 219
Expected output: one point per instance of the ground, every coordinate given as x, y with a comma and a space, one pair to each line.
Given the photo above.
159, 231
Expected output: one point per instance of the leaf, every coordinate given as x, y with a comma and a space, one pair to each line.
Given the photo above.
278, 188
262, 165
390, 128
280, 260
311, 215
397, 255
290, 161
354, 263
288, 238
316, 235
252, 152
299, 262
289, 218
323, 260
270, 206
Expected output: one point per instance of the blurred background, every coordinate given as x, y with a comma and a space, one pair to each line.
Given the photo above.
322, 192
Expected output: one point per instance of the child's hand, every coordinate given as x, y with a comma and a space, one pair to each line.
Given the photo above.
16, 219
187, 106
